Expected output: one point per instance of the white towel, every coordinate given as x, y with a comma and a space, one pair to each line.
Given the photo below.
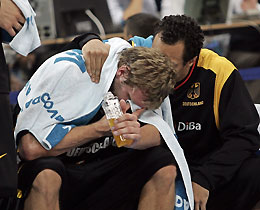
60, 95
27, 39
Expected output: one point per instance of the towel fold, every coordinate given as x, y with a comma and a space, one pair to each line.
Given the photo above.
27, 39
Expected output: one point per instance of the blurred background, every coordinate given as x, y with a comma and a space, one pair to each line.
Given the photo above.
231, 28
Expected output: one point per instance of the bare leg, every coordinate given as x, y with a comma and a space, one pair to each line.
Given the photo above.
44, 194
159, 192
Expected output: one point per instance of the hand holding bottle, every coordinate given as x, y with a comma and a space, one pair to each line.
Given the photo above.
124, 126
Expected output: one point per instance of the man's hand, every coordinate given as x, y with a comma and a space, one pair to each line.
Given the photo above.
201, 196
11, 18
127, 125
95, 54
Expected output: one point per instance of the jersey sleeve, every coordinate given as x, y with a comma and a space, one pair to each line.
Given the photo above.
238, 134
79, 41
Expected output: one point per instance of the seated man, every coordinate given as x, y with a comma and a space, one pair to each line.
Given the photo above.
69, 159
214, 117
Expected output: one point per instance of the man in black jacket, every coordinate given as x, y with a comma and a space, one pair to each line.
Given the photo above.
214, 116
11, 20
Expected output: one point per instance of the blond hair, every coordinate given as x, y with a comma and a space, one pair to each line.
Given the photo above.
150, 71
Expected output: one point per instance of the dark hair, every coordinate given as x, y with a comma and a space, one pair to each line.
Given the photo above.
174, 28
141, 24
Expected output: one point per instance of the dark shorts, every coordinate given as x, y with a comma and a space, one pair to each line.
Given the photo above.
112, 183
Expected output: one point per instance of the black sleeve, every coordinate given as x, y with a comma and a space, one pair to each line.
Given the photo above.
4, 74
79, 41
238, 133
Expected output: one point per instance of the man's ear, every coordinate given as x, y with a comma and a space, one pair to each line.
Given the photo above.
191, 61
122, 72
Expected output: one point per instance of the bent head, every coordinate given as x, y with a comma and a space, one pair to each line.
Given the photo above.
146, 76
181, 38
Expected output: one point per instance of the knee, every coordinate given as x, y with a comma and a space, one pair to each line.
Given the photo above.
166, 175
47, 183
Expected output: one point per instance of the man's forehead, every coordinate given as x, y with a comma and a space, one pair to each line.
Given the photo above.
173, 51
